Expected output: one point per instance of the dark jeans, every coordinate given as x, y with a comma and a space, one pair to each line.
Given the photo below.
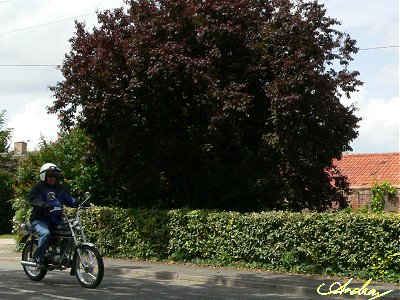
43, 232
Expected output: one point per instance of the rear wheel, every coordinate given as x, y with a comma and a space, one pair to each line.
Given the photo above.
27, 255
89, 266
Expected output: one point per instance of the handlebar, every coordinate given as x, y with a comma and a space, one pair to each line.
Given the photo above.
52, 196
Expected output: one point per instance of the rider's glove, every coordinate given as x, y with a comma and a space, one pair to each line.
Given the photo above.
48, 206
45, 206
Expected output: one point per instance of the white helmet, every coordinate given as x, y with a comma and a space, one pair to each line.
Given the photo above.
48, 167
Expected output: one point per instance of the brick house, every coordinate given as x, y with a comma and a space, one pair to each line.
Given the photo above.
362, 170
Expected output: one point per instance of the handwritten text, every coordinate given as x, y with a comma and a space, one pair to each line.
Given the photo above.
337, 288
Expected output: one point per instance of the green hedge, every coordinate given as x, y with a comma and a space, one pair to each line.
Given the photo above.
345, 244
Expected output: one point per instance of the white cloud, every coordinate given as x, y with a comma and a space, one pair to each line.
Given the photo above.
24, 93
380, 124
381, 116
32, 123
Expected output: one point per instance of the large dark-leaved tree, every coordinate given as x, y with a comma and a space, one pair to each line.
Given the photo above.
217, 104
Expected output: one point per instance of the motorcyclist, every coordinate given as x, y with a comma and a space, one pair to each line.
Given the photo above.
47, 213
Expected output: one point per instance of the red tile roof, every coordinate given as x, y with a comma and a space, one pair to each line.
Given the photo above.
365, 169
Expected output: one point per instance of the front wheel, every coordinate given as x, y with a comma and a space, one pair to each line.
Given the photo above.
27, 255
89, 266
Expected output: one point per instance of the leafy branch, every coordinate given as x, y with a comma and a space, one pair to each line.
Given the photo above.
379, 191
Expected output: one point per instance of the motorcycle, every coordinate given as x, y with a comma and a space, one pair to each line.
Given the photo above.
68, 249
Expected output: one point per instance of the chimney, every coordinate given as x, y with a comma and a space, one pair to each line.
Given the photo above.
20, 148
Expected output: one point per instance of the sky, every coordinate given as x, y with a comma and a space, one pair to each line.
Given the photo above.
34, 38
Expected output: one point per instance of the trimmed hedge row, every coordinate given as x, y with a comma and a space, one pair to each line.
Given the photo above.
344, 244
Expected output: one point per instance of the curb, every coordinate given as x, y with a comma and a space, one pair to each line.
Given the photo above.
222, 280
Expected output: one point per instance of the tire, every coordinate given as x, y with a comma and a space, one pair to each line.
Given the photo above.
90, 270
27, 255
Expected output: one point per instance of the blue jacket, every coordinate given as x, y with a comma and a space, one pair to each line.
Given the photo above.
38, 200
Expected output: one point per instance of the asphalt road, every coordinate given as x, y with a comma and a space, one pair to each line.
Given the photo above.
60, 285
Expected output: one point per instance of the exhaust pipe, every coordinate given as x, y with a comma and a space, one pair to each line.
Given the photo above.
28, 263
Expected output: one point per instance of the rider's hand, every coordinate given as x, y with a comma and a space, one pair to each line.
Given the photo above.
44, 206
48, 206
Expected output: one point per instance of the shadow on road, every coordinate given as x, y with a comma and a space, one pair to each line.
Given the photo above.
15, 285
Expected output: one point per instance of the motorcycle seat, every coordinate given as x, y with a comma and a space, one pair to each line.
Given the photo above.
61, 231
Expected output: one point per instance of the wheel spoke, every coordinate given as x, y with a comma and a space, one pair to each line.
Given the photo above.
91, 275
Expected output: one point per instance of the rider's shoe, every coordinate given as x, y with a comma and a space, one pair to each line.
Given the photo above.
40, 264
72, 272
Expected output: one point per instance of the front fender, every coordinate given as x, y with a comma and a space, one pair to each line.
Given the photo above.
89, 244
